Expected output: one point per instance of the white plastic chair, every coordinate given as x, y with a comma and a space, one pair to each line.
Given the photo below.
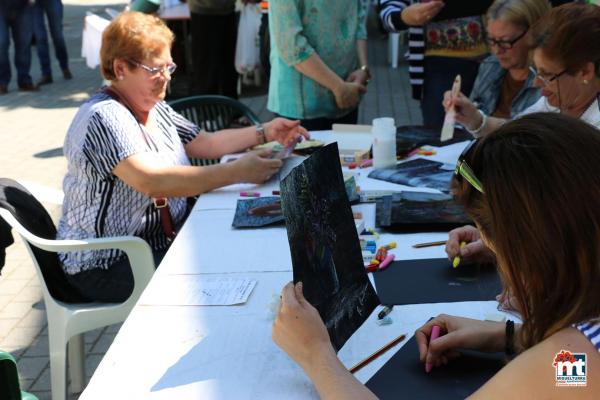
68, 322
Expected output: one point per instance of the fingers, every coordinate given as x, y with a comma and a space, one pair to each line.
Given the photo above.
290, 123
299, 294
468, 234
472, 248
304, 132
288, 296
453, 242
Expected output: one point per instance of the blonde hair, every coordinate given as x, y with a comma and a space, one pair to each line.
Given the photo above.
132, 36
523, 13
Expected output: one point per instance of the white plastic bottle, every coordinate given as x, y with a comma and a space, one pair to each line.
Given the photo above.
384, 142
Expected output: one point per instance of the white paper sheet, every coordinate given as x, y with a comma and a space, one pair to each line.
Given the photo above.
198, 290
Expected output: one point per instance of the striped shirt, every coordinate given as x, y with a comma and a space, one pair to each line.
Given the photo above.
591, 330
390, 15
99, 204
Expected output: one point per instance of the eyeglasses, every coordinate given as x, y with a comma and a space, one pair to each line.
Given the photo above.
505, 44
546, 81
170, 68
463, 170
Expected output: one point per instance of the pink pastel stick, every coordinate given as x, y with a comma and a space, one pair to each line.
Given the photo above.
386, 262
435, 333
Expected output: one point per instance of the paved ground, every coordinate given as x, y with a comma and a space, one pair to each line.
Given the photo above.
32, 129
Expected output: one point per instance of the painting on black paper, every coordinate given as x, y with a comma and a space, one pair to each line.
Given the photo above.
419, 212
418, 173
404, 373
324, 244
255, 213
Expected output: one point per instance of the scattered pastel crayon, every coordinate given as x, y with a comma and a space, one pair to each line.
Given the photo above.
371, 268
249, 194
391, 245
387, 320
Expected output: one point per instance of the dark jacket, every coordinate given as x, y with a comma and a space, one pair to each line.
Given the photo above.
34, 217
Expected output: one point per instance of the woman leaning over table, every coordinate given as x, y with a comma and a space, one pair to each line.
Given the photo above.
127, 147
546, 243
566, 55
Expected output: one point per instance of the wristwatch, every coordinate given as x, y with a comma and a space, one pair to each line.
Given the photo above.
260, 132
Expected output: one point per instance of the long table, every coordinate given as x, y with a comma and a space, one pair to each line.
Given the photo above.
226, 352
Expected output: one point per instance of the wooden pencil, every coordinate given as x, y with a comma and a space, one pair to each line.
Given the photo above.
429, 244
377, 354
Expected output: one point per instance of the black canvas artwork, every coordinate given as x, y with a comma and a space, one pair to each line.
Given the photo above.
419, 172
254, 213
411, 137
419, 212
404, 374
324, 244
435, 281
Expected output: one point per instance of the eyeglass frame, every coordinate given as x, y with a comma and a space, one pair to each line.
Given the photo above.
547, 81
170, 68
506, 44
463, 170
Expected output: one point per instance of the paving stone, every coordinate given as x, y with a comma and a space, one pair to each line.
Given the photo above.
34, 319
103, 343
12, 286
21, 337
7, 325
31, 294
42, 383
38, 348
15, 310
91, 363
32, 367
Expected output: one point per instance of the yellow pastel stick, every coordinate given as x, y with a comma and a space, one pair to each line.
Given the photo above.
456, 260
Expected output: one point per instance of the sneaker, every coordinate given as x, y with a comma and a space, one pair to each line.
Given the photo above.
28, 87
67, 74
3, 89
45, 80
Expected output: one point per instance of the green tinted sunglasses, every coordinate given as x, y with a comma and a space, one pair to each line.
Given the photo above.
463, 170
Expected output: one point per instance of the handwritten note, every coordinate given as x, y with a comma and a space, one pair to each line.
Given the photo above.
198, 290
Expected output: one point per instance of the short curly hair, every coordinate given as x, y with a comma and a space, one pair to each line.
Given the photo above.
132, 36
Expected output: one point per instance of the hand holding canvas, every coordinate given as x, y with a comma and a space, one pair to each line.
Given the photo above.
458, 333
256, 166
298, 329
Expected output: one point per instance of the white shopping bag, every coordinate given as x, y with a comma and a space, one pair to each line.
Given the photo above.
247, 50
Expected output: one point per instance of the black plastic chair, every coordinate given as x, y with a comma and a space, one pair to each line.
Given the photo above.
213, 113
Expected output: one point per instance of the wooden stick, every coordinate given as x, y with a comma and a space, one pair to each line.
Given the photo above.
377, 354
429, 244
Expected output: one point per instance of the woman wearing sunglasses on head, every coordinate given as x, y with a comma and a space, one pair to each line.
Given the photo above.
533, 189
567, 69
127, 153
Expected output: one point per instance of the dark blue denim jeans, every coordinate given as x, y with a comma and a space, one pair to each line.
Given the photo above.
439, 77
53, 10
20, 25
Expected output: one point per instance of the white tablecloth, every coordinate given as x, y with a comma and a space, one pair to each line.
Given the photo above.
218, 352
